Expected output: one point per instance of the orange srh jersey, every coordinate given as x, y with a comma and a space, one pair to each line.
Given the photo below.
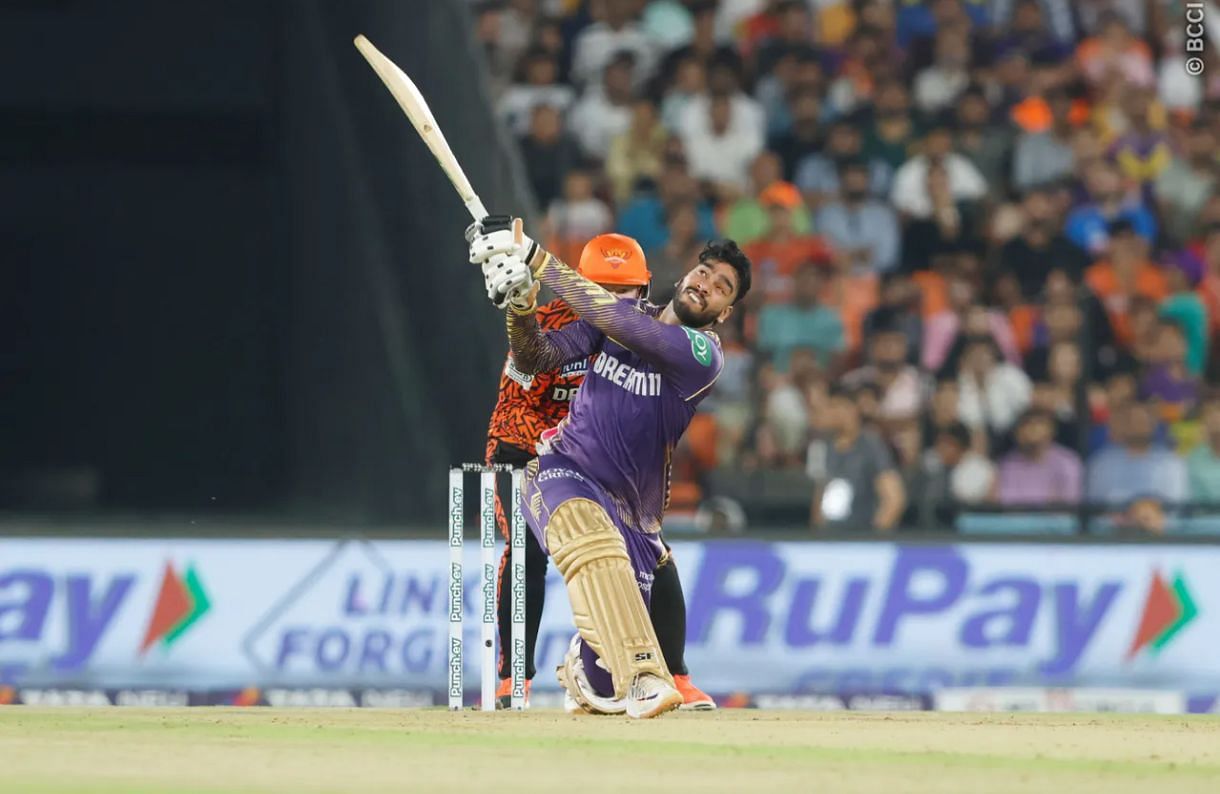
527, 404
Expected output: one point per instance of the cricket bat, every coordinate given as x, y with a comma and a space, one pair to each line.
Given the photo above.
413, 104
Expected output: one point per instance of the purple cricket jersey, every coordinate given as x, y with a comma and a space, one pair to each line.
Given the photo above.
631, 412
644, 383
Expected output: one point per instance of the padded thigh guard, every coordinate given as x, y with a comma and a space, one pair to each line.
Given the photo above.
607, 607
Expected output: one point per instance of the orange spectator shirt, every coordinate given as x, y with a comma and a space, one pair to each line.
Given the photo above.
1116, 296
775, 263
529, 404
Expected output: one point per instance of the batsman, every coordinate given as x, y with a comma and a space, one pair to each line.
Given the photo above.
530, 405
594, 498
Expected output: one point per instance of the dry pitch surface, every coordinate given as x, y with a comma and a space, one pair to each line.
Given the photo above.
268, 750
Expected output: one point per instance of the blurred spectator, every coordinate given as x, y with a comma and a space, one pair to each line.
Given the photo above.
942, 411
797, 73
1087, 225
1011, 82
516, 26
1145, 516
1167, 382
1093, 15
722, 143
863, 230
689, 82
489, 23
793, 29
1203, 464
818, 174
1044, 37
1042, 157
993, 392
535, 84
1070, 313
636, 153
988, 146
868, 400
1145, 331
748, 218
836, 19
646, 215
954, 474
785, 428
867, 61
899, 307
549, 37
1180, 91
915, 184
547, 153
1185, 307
857, 485
918, 24
777, 255
1040, 247
901, 385
938, 86
576, 217
1141, 151
671, 262
604, 110
1039, 472
1126, 274
892, 133
1113, 53
705, 46
668, 24
1208, 249
731, 402
803, 137
1065, 368
1130, 467
803, 323
946, 333
614, 32
1188, 182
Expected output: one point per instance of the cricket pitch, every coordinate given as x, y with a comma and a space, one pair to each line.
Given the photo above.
272, 750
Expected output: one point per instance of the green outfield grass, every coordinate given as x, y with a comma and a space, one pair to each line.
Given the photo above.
270, 750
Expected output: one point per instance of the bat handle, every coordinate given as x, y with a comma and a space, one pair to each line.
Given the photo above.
474, 205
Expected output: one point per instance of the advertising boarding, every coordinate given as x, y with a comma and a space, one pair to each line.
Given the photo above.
762, 618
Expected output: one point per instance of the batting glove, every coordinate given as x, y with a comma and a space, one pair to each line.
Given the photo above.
509, 281
498, 235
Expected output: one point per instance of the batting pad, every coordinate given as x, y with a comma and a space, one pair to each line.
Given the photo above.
606, 603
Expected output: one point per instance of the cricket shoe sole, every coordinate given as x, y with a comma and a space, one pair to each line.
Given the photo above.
651, 696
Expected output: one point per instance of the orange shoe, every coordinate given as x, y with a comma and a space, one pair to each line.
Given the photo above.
504, 694
693, 698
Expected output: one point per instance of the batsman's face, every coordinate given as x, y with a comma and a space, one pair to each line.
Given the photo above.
705, 295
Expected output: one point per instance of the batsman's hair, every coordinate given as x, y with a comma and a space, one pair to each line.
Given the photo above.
727, 251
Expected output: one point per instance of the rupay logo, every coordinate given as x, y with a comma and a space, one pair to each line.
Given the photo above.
1168, 608
181, 602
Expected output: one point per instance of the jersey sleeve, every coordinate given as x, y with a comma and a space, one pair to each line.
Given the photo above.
535, 350
690, 359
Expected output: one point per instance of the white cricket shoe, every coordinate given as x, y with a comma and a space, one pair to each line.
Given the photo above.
578, 694
650, 696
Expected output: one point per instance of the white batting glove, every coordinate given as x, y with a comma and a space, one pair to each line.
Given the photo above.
498, 235
509, 281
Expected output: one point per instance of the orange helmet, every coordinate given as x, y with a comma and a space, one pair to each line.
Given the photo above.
614, 259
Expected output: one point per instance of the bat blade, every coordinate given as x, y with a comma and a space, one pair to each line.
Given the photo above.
417, 111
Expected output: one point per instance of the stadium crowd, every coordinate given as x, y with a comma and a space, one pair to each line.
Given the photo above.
986, 236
